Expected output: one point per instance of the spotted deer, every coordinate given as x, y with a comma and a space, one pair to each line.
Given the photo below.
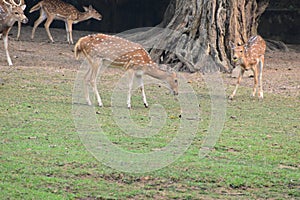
10, 12
123, 54
250, 56
57, 9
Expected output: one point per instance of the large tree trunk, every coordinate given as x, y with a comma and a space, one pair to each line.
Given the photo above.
203, 31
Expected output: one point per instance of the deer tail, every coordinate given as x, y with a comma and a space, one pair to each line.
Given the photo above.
36, 7
78, 49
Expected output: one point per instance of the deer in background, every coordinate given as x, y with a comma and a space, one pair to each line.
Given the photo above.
10, 12
250, 56
57, 9
125, 55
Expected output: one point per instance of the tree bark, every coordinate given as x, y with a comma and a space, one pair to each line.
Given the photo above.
203, 29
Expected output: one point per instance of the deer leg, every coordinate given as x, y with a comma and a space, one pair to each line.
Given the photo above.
261, 66
238, 83
131, 78
255, 72
87, 77
5, 40
47, 25
42, 17
141, 84
19, 30
94, 73
144, 95
69, 32
91, 77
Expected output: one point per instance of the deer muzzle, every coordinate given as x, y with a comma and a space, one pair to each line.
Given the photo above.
235, 59
25, 20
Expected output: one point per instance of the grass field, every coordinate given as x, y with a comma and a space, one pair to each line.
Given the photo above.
42, 156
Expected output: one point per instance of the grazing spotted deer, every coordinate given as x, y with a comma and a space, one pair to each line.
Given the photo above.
57, 9
10, 12
123, 54
250, 56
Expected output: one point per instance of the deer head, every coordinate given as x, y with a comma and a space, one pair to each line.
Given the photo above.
237, 52
16, 10
93, 13
172, 82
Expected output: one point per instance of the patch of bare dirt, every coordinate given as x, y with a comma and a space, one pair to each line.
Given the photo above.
281, 72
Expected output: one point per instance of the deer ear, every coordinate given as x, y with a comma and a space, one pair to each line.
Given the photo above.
23, 7
85, 8
232, 46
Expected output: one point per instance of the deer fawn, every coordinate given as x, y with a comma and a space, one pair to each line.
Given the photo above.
57, 9
123, 54
250, 56
10, 12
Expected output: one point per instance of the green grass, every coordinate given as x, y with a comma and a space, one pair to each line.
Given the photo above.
42, 156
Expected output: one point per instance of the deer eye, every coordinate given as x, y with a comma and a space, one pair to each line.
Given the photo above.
176, 81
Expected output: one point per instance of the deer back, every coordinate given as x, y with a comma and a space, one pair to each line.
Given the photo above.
118, 51
60, 9
255, 48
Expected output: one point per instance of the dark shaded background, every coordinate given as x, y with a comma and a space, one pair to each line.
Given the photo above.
281, 21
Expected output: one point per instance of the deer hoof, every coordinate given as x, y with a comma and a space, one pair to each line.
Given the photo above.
261, 96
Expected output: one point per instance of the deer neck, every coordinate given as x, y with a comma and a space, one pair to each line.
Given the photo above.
248, 60
8, 20
155, 72
82, 16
